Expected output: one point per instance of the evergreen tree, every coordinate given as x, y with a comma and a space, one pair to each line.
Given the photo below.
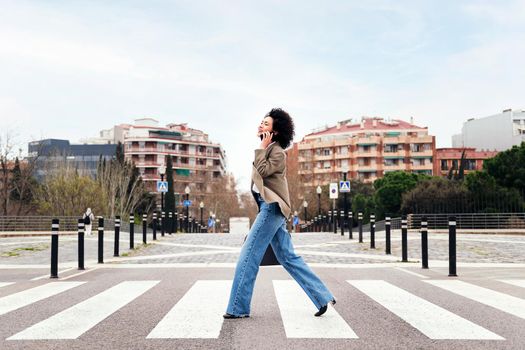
169, 198
119, 153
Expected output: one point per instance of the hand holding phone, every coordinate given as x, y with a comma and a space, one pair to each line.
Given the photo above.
266, 139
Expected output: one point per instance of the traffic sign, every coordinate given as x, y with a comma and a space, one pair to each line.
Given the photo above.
187, 203
334, 194
344, 186
162, 186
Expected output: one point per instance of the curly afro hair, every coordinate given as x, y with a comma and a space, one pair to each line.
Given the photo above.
283, 126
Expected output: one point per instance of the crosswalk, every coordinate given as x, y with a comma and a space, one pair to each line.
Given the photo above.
198, 313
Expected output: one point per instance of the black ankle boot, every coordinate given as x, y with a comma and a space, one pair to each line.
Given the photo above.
230, 316
323, 309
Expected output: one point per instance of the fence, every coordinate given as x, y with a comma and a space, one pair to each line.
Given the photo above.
43, 224
473, 221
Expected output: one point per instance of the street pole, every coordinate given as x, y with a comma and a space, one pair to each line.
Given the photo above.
187, 213
345, 208
162, 195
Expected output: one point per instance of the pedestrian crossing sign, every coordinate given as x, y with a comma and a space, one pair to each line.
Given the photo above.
162, 186
344, 186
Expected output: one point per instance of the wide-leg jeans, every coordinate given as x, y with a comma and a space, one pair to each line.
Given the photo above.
270, 228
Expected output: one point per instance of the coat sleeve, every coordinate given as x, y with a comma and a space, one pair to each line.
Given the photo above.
266, 167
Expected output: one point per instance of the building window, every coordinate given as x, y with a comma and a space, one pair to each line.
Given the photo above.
391, 148
470, 164
455, 163
444, 164
326, 152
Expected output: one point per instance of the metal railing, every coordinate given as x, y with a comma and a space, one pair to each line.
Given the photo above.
473, 221
43, 224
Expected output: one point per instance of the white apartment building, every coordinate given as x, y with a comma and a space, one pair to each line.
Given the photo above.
497, 132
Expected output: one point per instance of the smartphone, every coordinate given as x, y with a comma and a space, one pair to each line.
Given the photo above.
261, 136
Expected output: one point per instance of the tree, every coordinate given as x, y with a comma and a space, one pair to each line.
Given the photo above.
390, 189
124, 189
169, 198
67, 192
119, 153
508, 168
435, 195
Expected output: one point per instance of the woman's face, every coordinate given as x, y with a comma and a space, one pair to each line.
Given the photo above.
266, 125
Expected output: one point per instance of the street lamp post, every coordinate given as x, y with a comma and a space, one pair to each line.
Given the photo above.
305, 205
202, 209
162, 171
319, 191
187, 191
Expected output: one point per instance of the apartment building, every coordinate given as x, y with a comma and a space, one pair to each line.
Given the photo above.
50, 154
448, 159
496, 132
365, 150
196, 160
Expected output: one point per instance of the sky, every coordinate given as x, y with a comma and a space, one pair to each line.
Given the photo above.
69, 69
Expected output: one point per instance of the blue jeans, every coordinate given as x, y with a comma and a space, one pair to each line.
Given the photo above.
270, 228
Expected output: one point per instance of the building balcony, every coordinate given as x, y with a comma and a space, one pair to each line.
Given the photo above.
420, 139
367, 154
395, 155
421, 154
343, 156
369, 168
367, 141
428, 166
324, 157
155, 150
396, 140
323, 170
394, 167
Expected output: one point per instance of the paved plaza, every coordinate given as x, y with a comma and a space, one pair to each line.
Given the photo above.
172, 293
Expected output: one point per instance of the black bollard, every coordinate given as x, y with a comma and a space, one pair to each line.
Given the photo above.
387, 233
117, 237
131, 231
372, 231
144, 228
154, 226
342, 221
80, 227
424, 242
170, 222
350, 226
162, 225
54, 248
452, 246
360, 223
100, 240
404, 238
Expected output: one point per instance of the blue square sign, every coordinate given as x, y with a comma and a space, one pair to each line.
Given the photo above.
344, 186
162, 186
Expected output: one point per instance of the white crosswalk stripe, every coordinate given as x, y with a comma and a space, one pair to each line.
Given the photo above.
297, 315
432, 320
73, 322
519, 283
507, 303
198, 314
5, 284
15, 301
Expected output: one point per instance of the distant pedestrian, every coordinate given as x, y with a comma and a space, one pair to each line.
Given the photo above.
211, 224
88, 221
270, 190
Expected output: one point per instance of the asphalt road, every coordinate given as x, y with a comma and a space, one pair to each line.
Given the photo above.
132, 306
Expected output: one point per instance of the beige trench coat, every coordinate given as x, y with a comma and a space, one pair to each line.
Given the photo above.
269, 175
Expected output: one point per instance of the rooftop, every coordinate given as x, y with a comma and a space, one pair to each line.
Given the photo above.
366, 124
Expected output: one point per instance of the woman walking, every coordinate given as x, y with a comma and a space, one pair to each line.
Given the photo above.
270, 190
